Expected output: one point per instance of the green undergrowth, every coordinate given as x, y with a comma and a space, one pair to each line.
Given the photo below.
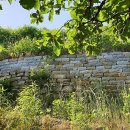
90, 109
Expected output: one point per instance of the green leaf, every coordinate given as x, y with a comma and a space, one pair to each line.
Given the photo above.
69, 2
27, 4
37, 5
33, 15
73, 14
101, 16
58, 1
58, 11
45, 43
57, 50
71, 52
0, 7
51, 15
10, 1
33, 21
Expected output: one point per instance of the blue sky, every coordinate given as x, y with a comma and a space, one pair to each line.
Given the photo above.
14, 16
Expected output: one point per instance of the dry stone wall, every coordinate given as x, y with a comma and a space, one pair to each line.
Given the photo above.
111, 69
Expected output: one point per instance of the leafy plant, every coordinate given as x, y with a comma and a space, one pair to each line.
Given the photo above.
23, 47
46, 88
28, 102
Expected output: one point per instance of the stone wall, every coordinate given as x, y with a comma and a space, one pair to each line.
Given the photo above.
111, 69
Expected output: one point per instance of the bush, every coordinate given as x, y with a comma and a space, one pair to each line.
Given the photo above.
28, 102
23, 47
28, 31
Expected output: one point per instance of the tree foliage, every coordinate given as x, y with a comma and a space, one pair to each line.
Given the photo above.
88, 19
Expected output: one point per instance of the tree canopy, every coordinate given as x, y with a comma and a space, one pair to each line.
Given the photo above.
89, 19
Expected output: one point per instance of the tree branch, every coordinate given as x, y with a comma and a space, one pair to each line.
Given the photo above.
99, 9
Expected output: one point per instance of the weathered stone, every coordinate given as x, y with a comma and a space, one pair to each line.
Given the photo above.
80, 59
59, 76
108, 67
108, 78
112, 74
63, 80
74, 72
75, 62
64, 59
81, 68
91, 68
99, 74
21, 82
58, 59
20, 74
122, 62
126, 69
100, 67
68, 65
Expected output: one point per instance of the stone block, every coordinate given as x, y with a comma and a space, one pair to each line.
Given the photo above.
95, 79
59, 76
58, 59
99, 74
37, 57
72, 59
122, 62
128, 77
115, 70
108, 78
127, 54
100, 67
20, 74
21, 82
25, 68
108, 67
63, 56
102, 59
126, 69
121, 78
75, 72
119, 66
85, 71
91, 58
63, 80
91, 68
81, 68
24, 78
82, 59
65, 59
87, 75
75, 62
112, 74
117, 82
68, 65
93, 62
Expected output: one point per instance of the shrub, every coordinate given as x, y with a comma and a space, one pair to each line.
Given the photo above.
28, 31
28, 102
23, 47
4, 102
3, 53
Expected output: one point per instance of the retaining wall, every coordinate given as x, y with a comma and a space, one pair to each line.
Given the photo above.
111, 69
